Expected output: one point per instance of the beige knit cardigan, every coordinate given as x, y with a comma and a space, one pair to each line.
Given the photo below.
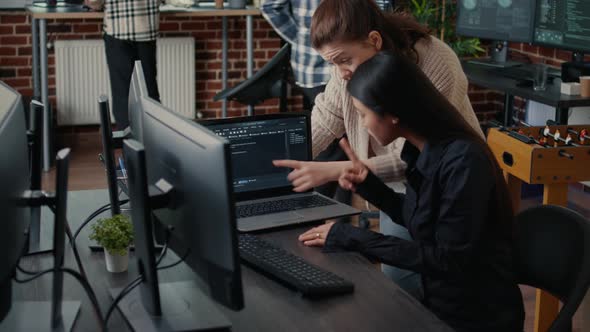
334, 114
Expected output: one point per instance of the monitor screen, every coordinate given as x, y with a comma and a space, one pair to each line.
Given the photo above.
256, 142
196, 163
14, 180
509, 20
137, 89
563, 24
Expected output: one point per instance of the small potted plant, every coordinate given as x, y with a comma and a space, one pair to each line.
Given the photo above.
115, 234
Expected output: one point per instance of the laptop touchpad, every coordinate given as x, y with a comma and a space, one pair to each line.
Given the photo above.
280, 218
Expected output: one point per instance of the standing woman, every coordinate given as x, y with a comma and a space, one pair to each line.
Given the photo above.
456, 205
347, 33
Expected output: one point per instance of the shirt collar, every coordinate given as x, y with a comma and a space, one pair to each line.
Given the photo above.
426, 162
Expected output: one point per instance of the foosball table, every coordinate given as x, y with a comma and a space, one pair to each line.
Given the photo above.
554, 156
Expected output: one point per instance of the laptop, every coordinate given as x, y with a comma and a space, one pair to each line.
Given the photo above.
264, 197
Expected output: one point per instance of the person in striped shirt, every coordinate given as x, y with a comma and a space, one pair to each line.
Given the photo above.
291, 19
130, 30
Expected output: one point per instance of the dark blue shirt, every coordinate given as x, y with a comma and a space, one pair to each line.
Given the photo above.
460, 247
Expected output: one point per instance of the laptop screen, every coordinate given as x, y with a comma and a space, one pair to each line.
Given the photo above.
255, 144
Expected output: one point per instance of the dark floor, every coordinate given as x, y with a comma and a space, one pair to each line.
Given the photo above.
86, 172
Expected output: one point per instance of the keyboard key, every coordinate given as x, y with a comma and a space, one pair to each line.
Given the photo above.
276, 206
292, 270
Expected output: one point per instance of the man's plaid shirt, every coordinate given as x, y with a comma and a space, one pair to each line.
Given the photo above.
135, 20
291, 19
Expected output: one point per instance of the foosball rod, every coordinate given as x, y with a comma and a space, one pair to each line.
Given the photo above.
519, 121
512, 132
561, 152
547, 133
527, 139
582, 135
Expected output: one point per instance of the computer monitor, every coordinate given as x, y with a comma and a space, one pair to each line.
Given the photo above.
255, 142
112, 140
16, 200
108, 153
14, 177
35, 138
563, 24
498, 20
137, 90
194, 165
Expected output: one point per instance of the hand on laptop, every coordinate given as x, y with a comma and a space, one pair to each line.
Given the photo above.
310, 174
316, 237
356, 174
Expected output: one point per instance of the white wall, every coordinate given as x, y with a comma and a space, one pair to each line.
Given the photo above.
537, 114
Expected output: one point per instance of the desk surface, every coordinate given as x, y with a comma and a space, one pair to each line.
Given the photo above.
204, 9
486, 77
377, 303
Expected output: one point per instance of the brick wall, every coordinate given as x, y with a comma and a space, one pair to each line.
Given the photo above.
15, 57
15, 54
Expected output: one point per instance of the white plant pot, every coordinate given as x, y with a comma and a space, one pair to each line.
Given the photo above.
116, 263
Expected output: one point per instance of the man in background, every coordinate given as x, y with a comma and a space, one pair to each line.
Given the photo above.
291, 19
130, 31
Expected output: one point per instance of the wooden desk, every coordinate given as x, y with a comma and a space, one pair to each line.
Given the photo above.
39, 15
377, 303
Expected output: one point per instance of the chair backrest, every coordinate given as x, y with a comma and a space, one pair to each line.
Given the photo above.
552, 244
265, 84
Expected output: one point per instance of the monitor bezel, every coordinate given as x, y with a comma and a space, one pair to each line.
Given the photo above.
496, 36
271, 192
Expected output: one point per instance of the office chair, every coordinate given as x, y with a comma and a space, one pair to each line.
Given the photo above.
551, 253
268, 82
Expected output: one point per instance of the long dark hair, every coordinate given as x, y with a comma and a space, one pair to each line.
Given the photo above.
352, 20
391, 84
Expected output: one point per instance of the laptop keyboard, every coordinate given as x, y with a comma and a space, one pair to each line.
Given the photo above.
283, 205
289, 269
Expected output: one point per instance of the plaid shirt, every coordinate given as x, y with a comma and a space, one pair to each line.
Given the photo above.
291, 19
135, 20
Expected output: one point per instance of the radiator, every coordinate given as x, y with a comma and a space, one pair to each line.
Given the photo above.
81, 76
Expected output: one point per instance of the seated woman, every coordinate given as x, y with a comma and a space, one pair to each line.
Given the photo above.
456, 205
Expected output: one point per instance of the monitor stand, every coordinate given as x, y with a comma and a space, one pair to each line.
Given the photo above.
572, 70
61, 315
499, 58
36, 242
154, 306
184, 308
578, 57
35, 316
39, 244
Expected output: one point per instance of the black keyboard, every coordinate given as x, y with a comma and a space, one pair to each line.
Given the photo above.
290, 204
289, 269
523, 73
